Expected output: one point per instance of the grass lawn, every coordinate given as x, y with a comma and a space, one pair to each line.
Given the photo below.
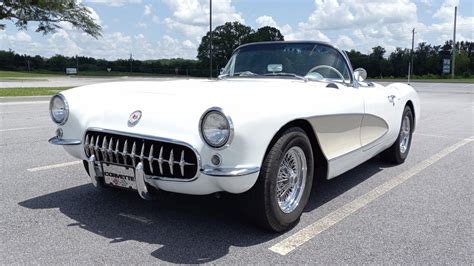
30, 91
19, 75
25, 75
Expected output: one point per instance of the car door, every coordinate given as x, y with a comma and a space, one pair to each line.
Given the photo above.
380, 104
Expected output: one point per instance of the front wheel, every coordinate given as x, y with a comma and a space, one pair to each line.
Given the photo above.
282, 190
398, 152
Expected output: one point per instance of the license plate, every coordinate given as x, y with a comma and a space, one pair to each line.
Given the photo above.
119, 176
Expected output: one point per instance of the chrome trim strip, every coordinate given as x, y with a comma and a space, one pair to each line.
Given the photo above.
59, 141
167, 140
229, 172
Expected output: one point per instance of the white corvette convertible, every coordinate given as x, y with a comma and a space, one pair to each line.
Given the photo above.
281, 115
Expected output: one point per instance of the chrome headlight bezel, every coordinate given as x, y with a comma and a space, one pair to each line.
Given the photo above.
229, 126
66, 109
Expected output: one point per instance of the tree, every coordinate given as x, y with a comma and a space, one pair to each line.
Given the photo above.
231, 35
226, 38
266, 34
376, 62
48, 14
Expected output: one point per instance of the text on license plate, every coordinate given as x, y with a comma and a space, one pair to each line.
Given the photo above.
119, 176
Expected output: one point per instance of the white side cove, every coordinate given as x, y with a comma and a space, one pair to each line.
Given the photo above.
348, 140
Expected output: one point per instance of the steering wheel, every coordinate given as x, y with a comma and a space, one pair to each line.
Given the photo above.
328, 67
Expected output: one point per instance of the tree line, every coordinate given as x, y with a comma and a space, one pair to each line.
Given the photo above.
427, 58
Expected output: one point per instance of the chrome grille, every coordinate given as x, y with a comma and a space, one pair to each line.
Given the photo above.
159, 158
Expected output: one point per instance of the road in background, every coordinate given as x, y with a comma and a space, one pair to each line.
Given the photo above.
51, 214
71, 81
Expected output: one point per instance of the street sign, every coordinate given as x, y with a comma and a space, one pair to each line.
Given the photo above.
446, 66
71, 71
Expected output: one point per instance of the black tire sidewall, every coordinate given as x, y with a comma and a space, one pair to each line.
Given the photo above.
402, 156
291, 138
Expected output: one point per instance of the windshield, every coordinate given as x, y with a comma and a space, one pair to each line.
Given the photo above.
309, 60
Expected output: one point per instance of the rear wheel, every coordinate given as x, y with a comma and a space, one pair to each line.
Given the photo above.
398, 152
282, 190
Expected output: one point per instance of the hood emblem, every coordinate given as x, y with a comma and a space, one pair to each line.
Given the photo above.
134, 118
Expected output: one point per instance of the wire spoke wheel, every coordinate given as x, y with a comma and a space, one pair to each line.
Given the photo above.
405, 134
291, 179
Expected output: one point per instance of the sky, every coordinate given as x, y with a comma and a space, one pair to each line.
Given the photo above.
153, 29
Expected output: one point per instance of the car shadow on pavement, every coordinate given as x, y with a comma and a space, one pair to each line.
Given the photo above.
191, 229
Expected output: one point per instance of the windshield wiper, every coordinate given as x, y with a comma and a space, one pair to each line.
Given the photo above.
283, 74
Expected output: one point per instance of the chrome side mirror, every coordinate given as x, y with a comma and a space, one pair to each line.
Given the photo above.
222, 71
360, 74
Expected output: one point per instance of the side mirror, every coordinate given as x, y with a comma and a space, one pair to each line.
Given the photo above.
222, 71
360, 74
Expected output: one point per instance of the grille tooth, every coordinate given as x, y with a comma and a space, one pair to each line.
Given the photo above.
182, 163
110, 151
171, 162
91, 147
150, 158
120, 149
104, 149
125, 150
117, 150
142, 153
160, 160
134, 149
86, 146
96, 147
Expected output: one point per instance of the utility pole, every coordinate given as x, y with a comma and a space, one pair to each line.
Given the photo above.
210, 39
454, 42
410, 65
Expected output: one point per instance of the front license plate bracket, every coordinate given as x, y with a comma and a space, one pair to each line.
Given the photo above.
119, 176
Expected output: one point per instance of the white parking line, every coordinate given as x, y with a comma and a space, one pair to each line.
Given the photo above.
299, 238
21, 128
136, 218
47, 167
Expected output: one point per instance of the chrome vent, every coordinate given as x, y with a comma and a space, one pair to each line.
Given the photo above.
159, 158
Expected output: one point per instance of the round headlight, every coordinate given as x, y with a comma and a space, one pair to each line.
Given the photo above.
59, 109
216, 128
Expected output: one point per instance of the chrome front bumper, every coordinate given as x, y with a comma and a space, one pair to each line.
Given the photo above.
56, 140
95, 172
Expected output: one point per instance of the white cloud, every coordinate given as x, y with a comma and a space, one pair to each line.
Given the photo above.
269, 21
141, 25
446, 11
191, 17
20, 36
345, 42
266, 21
147, 10
114, 2
443, 27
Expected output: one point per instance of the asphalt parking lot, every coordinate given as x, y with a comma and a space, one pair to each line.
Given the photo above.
420, 212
